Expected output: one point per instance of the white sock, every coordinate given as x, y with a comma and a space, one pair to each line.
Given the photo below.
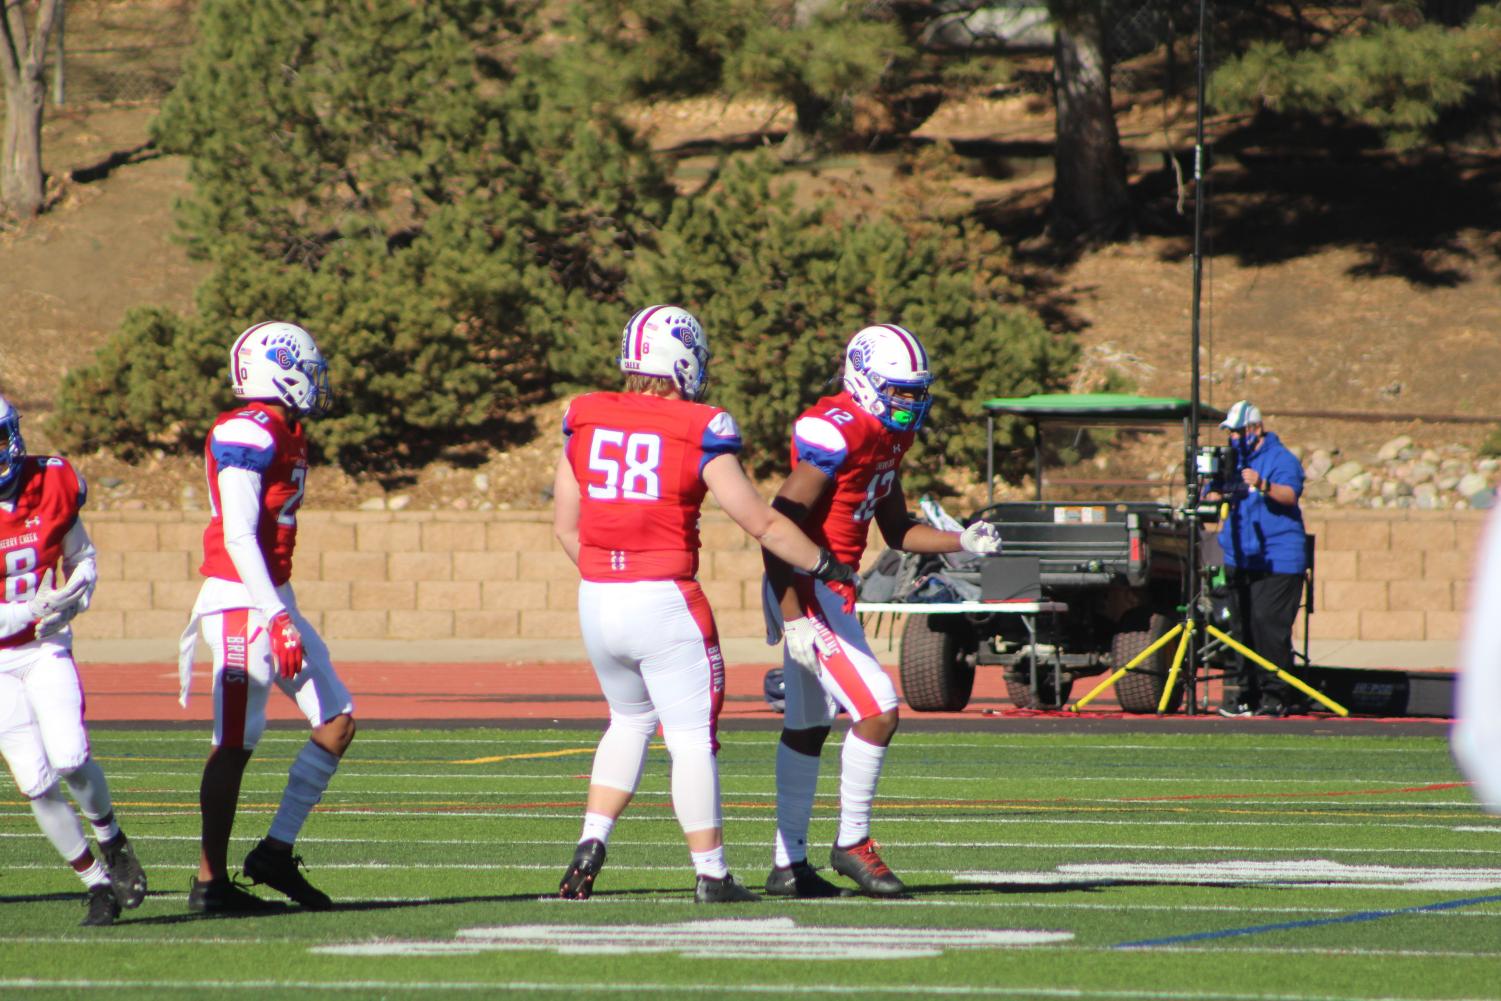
306, 781
56, 818
95, 875
597, 826
91, 792
859, 772
710, 863
797, 781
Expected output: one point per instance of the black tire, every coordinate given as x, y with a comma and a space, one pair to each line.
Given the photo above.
1140, 690
1019, 688
937, 673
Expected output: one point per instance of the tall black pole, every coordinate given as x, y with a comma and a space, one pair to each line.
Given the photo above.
1191, 464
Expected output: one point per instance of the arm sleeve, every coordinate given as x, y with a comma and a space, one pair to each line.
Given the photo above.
820, 443
240, 504
14, 616
721, 437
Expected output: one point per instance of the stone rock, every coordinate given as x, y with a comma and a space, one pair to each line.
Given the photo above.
398, 502
1483, 500
481, 483
1421, 471
1471, 484
1318, 464
373, 504
1318, 490
1393, 449
1425, 497
1344, 473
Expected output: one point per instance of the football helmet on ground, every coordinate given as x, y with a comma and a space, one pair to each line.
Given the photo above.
668, 342
279, 361
12, 447
886, 371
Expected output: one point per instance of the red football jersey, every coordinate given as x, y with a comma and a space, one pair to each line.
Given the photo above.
639, 461
863, 458
31, 536
256, 437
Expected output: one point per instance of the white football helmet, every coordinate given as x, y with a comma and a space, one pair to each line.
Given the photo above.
883, 358
279, 361
667, 341
12, 447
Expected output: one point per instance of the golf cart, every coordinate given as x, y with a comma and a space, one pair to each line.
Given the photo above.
1081, 587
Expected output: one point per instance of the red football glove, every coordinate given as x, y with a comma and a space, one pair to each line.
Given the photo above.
286, 645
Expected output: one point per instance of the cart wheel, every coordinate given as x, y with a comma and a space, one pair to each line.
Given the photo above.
1140, 689
937, 672
1019, 688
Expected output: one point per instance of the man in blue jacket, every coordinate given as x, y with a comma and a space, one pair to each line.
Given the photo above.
1265, 557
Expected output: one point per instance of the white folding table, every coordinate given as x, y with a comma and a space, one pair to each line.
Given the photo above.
1028, 610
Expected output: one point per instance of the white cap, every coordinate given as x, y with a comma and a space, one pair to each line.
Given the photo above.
1240, 414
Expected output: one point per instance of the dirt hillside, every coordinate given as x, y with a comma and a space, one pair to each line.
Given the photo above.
1329, 288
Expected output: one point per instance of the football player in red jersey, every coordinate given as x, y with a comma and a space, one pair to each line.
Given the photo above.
847, 453
634, 472
42, 733
256, 457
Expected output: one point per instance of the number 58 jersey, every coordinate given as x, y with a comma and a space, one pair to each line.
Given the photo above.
639, 462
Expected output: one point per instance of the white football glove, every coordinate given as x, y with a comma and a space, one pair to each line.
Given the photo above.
982, 539
55, 608
801, 637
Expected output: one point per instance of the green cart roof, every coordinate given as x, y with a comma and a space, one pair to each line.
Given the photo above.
1100, 407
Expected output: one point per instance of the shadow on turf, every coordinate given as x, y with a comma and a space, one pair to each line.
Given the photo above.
949, 889
280, 909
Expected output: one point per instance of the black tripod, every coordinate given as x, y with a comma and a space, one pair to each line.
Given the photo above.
1189, 655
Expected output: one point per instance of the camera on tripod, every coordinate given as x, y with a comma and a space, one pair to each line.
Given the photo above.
1217, 468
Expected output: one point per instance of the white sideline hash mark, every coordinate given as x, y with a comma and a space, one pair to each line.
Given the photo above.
1291, 872
730, 938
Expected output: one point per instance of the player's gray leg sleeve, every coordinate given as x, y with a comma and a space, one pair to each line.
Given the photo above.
797, 781
90, 790
306, 781
621, 755
55, 816
695, 778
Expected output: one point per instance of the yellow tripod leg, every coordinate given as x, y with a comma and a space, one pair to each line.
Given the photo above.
1246, 651
1172, 674
1120, 672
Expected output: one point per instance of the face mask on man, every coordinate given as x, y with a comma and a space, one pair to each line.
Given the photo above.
1245, 443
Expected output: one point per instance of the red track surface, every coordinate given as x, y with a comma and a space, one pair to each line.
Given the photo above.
391, 691
536, 693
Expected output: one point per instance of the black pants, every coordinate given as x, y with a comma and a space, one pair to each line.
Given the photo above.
1266, 604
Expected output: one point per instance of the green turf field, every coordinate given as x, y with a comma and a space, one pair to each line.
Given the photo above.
1126, 866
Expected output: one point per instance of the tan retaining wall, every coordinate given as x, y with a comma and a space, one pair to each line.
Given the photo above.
1381, 575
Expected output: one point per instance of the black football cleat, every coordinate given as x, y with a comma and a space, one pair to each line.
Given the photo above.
578, 881
102, 905
125, 872
800, 880
729, 890
225, 896
278, 869
861, 863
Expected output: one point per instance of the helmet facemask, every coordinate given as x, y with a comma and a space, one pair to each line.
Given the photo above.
279, 361
12, 449
886, 371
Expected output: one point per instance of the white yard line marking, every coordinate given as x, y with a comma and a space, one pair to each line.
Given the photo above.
1301, 873
777, 938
